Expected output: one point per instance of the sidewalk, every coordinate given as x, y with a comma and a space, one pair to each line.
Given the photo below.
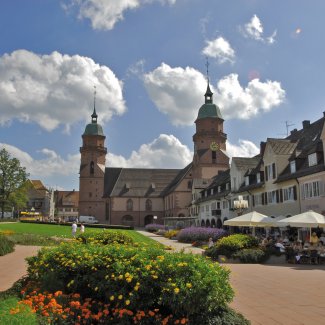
13, 266
177, 246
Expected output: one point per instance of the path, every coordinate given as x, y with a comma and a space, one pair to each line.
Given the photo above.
13, 266
272, 294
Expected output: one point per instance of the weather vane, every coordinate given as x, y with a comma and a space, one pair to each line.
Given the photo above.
207, 65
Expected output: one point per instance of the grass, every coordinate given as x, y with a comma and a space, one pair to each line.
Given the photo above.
24, 233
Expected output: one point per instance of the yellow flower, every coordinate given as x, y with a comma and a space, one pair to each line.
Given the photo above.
111, 298
120, 297
127, 302
176, 290
188, 285
127, 274
120, 276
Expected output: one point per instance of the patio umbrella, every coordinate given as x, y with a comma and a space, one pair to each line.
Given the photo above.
251, 219
309, 219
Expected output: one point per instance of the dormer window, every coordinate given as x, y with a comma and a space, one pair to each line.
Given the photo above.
219, 189
292, 166
227, 186
312, 159
246, 180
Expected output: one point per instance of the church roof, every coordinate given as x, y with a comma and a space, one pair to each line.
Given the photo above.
94, 129
137, 182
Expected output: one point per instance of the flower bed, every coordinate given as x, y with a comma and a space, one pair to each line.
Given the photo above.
153, 227
200, 234
134, 279
105, 238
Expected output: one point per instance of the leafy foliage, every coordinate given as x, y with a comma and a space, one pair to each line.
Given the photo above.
153, 227
12, 180
6, 246
105, 238
200, 234
251, 255
140, 277
171, 233
230, 245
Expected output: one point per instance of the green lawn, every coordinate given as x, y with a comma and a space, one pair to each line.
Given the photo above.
64, 231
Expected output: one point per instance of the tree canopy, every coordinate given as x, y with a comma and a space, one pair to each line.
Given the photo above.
13, 179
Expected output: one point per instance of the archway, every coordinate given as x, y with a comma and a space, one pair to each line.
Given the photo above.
207, 224
202, 223
148, 219
219, 223
127, 220
213, 223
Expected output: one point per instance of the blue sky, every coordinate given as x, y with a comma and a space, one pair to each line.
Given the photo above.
147, 60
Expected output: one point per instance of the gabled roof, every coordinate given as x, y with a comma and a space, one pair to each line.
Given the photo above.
137, 182
245, 163
282, 146
69, 198
38, 185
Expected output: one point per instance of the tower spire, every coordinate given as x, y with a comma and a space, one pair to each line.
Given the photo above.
208, 94
94, 114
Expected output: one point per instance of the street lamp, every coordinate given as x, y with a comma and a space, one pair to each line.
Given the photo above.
155, 219
240, 205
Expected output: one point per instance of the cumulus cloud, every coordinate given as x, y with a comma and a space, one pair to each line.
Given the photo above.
220, 49
104, 14
244, 148
254, 29
243, 103
164, 152
178, 93
55, 89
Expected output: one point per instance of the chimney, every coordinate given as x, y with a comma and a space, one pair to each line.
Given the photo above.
293, 131
305, 124
262, 147
324, 114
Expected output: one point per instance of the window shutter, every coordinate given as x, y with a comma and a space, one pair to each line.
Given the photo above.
253, 200
277, 196
266, 176
263, 199
281, 195
295, 193
273, 171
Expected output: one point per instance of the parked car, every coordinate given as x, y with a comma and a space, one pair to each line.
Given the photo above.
88, 219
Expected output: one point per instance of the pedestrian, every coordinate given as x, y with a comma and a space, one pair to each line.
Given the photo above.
210, 243
82, 228
74, 229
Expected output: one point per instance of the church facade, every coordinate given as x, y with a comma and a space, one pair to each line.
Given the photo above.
138, 196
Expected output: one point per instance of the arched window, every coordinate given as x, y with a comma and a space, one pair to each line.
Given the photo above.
92, 169
129, 205
148, 205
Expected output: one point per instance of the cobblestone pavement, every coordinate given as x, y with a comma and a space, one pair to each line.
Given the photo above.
13, 266
273, 294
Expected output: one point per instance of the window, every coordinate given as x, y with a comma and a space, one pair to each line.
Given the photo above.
219, 189
129, 205
271, 197
224, 204
312, 159
148, 205
312, 189
288, 194
270, 172
257, 199
218, 205
292, 166
92, 170
207, 208
258, 178
246, 180
227, 186
213, 205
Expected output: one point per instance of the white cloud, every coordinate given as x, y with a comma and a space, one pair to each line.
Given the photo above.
243, 103
244, 148
219, 49
254, 29
164, 152
55, 89
178, 93
104, 14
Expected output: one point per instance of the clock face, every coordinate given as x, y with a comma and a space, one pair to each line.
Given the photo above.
214, 146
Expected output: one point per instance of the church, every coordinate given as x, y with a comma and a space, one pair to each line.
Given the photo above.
139, 196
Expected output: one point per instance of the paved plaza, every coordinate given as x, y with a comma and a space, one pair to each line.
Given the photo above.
265, 294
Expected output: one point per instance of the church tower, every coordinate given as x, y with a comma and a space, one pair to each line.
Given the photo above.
209, 140
92, 170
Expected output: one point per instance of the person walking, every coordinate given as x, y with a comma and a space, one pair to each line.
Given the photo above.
82, 228
74, 229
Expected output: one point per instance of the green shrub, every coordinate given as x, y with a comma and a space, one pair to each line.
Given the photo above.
105, 238
230, 245
250, 255
148, 278
6, 246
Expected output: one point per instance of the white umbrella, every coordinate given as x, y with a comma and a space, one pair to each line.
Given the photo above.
251, 219
309, 219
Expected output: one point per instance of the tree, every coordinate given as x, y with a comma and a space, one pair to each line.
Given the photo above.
12, 179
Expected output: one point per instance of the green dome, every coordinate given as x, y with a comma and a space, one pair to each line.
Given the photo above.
94, 129
209, 110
